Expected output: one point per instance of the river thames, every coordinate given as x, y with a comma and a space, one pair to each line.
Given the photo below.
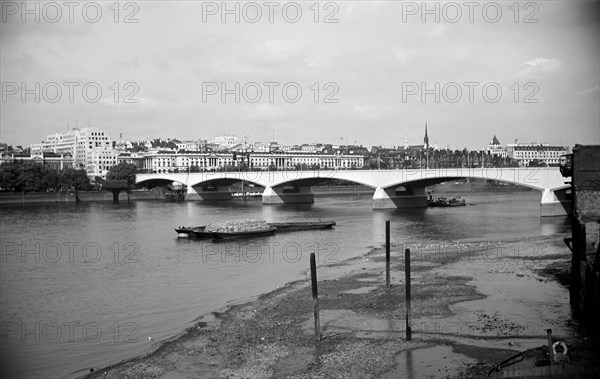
86, 285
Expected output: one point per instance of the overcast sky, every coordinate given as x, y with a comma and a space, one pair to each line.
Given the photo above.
371, 67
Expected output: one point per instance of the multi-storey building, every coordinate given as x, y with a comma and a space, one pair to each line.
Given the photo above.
99, 161
92, 149
524, 153
60, 143
162, 162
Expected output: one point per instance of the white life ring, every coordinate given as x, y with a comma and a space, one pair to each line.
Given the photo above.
561, 344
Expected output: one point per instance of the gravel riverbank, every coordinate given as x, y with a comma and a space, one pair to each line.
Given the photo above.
469, 312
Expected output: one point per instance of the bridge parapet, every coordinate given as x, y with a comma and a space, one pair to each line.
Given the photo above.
537, 177
386, 182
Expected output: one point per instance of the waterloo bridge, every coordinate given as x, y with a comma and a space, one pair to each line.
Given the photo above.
393, 188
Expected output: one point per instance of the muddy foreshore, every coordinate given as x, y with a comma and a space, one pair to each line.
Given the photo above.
469, 312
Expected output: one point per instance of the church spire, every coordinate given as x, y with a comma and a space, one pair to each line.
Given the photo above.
426, 139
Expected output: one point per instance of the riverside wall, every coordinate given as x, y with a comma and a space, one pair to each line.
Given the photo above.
71, 197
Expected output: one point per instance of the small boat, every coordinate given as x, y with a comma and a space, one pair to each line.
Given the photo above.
187, 229
444, 202
193, 232
174, 196
302, 225
252, 233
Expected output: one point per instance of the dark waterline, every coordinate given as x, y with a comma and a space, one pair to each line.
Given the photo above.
110, 276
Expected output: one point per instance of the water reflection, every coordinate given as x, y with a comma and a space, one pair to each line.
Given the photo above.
554, 225
409, 365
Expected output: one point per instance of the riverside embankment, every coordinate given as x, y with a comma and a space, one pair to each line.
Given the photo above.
474, 305
73, 197
135, 195
158, 194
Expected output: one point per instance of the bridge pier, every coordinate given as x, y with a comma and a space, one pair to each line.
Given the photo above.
554, 203
389, 198
208, 192
287, 195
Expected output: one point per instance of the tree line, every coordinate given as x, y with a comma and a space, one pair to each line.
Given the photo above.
28, 176
18, 176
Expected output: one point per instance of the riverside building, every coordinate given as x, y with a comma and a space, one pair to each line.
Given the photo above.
92, 149
495, 149
525, 153
163, 162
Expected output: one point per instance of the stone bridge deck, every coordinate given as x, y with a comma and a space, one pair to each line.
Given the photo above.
393, 188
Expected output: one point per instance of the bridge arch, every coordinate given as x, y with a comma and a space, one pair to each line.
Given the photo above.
315, 181
156, 182
427, 182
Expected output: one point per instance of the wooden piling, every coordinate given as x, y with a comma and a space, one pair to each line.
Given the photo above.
550, 350
407, 279
387, 255
315, 295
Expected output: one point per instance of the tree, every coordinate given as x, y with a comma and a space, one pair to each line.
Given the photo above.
123, 171
51, 180
30, 176
75, 179
9, 176
19, 176
98, 182
537, 163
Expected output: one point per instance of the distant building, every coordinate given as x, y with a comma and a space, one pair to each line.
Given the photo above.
426, 145
136, 159
3, 146
524, 153
288, 148
189, 145
259, 147
163, 162
226, 142
495, 149
309, 148
48, 159
92, 149
99, 161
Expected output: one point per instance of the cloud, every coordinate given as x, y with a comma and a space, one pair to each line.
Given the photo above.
589, 91
280, 50
540, 67
403, 55
142, 102
267, 111
129, 63
370, 111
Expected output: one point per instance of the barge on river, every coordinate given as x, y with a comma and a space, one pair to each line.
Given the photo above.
445, 202
273, 227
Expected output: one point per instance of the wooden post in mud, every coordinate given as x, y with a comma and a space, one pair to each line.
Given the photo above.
407, 279
550, 351
315, 295
387, 255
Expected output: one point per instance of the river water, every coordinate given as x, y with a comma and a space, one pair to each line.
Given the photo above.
86, 285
